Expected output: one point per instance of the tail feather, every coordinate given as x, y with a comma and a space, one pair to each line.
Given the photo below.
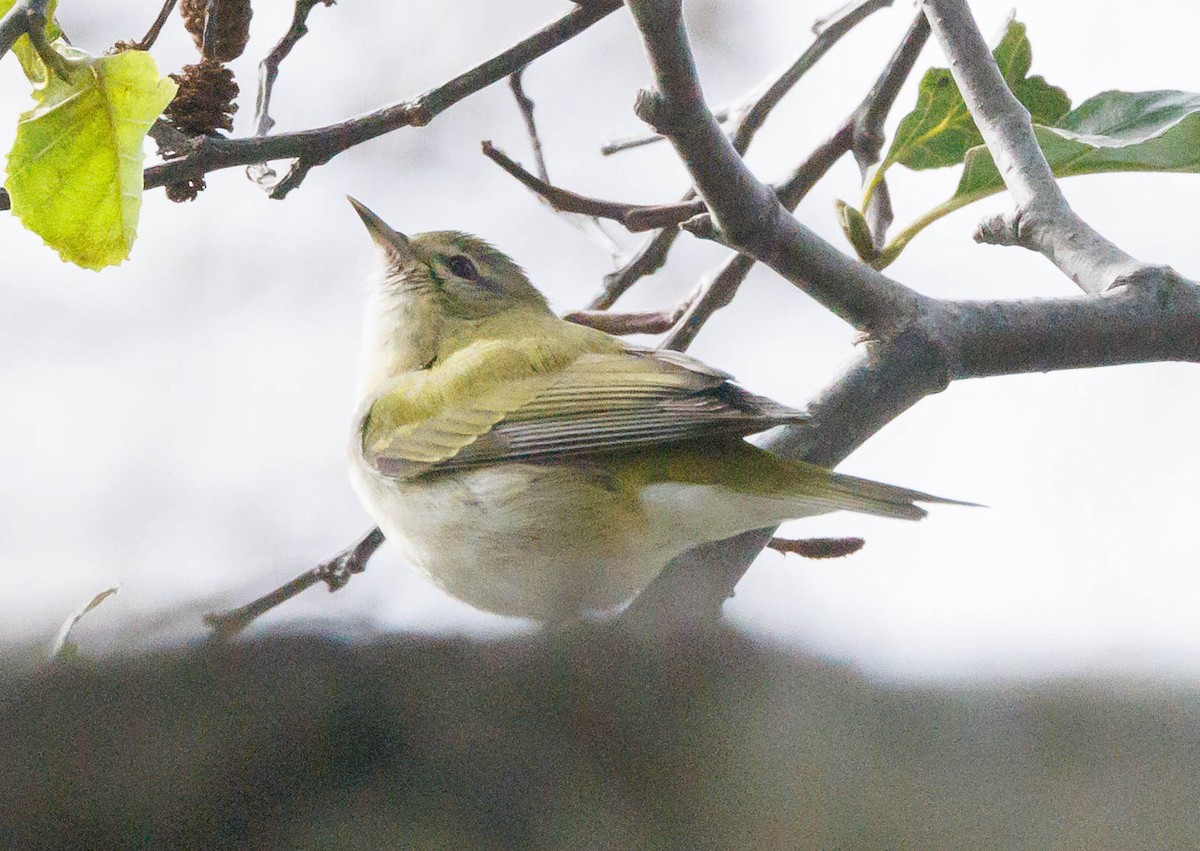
863, 495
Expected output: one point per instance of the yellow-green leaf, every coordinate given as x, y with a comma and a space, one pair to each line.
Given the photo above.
75, 170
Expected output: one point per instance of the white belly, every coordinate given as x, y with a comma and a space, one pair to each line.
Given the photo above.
495, 538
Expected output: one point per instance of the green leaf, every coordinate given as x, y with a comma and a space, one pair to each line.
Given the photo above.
1113, 131
939, 131
31, 63
75, 169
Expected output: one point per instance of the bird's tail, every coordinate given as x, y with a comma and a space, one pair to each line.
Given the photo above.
854, 494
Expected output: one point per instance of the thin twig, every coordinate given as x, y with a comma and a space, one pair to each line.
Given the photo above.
616, 146
663, 215
560, 199
268, 71
868, 122
588, 224
645, 322
335, 573
212, 21
647, 259
525, 104
1043, 220
151, 36
830, 31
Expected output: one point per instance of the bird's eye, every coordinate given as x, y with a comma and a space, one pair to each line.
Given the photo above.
462, 267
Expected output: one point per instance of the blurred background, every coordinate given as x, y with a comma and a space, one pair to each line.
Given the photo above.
179, 424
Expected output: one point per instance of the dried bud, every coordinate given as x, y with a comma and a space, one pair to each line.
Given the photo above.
204, 102
232, 29
186, 190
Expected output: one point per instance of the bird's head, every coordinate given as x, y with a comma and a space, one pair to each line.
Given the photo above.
460, 275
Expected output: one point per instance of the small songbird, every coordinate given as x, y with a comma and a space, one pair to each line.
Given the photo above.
538, 468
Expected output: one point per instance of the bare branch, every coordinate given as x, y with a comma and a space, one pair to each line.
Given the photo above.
745, 121
23, 18
747, 213
616, 146
268, 69
646, 322
861, 133
525, 104
335, 573
1153, 315
829, 31
868, 121
319, 145
1043, 220
151, 36
648, 259
663, 216
562, 200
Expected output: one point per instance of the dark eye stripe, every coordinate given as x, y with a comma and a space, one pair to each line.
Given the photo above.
462, 267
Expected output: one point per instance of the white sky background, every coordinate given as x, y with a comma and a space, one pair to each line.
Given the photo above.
179, 423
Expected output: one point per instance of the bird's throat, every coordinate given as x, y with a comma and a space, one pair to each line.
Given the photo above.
401, 333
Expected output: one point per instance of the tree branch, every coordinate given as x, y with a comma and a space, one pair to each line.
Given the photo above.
563, 200
151, 36
335, 573
22, 19
745, 121
861, 133
525, 104
268, 72
748, 214
1043, 220
1153, 315
317, 146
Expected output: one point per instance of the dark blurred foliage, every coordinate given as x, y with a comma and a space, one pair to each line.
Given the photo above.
582, 740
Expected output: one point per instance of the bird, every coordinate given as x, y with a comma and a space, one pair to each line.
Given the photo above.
542, 469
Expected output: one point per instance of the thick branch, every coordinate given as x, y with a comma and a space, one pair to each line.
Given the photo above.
1152, 316
1043, 220
744, 122
746, 212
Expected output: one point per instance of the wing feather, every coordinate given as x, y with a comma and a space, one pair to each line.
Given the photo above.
595, 403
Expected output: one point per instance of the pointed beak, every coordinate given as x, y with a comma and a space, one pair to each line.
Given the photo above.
391, 241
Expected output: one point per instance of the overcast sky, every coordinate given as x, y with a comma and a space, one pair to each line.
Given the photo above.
179, 424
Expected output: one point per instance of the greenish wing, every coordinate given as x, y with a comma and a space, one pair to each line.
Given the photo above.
599, 402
